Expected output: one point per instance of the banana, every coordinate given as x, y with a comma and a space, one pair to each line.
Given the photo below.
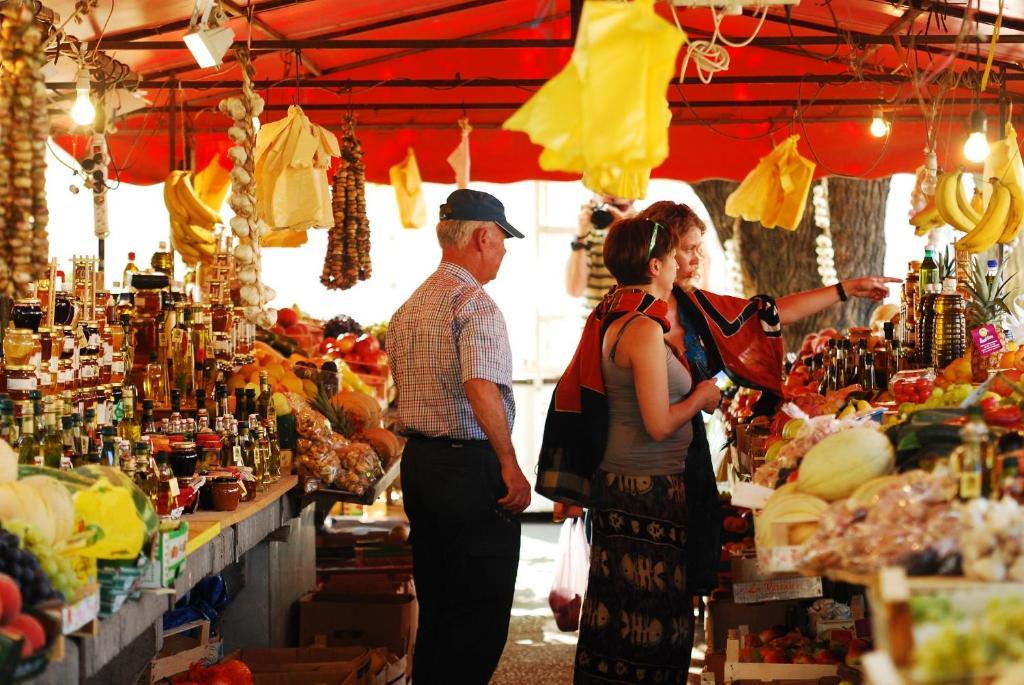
946, 202
171, 194
992, 224
199, 235
978, 200
966, 206
927, 219
198, 213
1016, 218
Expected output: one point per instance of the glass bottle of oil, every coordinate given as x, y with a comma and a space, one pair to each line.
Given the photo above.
28, 447
183, 359
949, 324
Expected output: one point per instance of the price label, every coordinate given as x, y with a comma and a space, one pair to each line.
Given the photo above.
173, 482
987, 340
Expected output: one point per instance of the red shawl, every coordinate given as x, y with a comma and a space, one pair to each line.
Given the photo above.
576, 429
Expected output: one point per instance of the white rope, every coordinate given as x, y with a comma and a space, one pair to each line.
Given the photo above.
710, 58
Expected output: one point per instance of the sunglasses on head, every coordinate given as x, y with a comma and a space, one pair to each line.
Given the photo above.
654, 238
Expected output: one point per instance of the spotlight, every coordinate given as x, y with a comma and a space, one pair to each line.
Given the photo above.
207, 40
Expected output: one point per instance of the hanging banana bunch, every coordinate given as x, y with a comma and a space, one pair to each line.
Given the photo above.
192, 222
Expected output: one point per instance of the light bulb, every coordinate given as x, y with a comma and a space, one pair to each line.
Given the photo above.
879, 126
976, 148
82, 112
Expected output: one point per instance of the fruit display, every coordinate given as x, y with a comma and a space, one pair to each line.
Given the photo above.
348, 241
23, 567
24, 128
778, 646
788, 506
964, 639
998, 221
192, 222
59, 570
246, 224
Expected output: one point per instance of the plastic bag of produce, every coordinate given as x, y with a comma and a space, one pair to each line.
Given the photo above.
111, 511
570, 584
360, 466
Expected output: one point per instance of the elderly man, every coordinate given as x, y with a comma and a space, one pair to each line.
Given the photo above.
462, 484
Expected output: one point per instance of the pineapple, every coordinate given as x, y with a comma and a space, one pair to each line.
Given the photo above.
987, 304
947, 265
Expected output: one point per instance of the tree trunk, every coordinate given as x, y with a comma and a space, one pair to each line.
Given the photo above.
778, 262
857, 209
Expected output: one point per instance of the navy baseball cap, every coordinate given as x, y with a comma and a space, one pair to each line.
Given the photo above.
474, 205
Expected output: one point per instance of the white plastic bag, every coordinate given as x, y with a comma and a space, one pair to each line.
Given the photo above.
570, 584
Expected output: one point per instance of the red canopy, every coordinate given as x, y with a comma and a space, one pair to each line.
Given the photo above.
817, 70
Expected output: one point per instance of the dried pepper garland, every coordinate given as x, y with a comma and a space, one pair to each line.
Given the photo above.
348, 241
24, 127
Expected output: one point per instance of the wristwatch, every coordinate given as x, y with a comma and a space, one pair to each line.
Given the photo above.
578, 244
843, 297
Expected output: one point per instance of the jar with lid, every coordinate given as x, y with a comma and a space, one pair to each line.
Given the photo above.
27, 313
64, 308
48, 362
209, 445
88, 371
117, 368
21, 381
18, 347
183, 459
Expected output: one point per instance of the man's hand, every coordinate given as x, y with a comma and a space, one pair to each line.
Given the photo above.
870, 287
518, 496
583, 225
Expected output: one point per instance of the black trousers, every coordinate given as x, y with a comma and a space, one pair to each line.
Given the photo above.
465, 557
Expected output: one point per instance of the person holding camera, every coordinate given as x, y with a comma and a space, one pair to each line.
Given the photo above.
586, 274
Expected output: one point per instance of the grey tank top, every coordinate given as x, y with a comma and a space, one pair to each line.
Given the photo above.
630, 449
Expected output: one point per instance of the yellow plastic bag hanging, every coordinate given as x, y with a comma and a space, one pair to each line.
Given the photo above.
405, 179
212, 184
459, 160
775, 192
605, 114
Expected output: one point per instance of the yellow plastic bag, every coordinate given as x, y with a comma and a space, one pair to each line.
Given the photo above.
405, 179
605, 114
111, 511
775, 192
212, 184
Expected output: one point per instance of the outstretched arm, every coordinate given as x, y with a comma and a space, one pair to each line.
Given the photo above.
798, 306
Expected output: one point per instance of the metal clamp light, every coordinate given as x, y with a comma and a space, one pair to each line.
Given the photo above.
207, 39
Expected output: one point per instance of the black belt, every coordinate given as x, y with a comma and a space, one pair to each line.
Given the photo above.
444, 440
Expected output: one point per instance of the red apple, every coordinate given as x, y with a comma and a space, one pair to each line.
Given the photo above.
773, 655
823, 656
327, 344
767, 635
287, 317
10, 599
347, 342
366, 345
31, 629
802, 658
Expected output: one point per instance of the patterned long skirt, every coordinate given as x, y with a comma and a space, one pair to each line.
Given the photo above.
637, 620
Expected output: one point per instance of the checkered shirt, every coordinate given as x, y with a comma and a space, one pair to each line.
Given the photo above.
449, 331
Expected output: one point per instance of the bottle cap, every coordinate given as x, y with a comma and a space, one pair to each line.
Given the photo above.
163, 246
992, 264
131, 256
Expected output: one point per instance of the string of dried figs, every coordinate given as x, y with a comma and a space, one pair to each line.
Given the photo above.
348, 241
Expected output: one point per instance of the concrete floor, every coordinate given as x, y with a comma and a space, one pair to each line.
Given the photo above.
537, 653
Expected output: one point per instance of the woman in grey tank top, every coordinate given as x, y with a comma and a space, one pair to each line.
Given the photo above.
637, 612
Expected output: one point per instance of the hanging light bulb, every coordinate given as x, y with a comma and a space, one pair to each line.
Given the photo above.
82, 112
879, 125
976, 148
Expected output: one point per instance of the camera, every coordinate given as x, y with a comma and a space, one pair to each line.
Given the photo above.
600, 217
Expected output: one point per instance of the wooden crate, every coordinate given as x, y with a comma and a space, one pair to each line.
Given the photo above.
163, 667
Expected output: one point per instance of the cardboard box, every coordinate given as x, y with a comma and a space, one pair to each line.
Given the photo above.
371, 620
377, 583
169, 557
721, 616
311, 662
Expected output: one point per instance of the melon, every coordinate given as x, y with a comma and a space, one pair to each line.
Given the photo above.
835, 467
